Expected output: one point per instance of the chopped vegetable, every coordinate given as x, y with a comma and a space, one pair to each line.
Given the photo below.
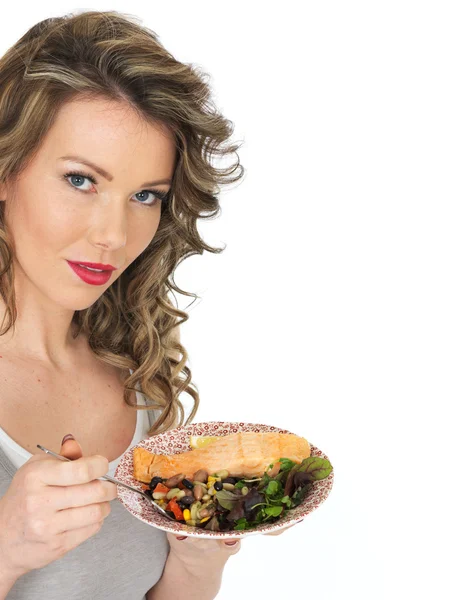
160, 488
174, 507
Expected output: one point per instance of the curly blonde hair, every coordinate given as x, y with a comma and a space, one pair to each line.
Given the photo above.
110, 55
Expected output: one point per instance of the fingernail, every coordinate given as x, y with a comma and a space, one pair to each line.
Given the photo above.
182, 537
231, 543
69, 436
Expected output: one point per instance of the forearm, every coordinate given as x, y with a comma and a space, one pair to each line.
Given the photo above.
6, 583
7, 577
178, 583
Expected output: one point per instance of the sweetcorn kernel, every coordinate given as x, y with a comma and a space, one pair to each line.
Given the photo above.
186, 514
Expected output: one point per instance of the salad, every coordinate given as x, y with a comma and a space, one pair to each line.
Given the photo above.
218, 502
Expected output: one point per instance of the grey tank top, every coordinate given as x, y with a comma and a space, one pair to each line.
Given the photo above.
122, 561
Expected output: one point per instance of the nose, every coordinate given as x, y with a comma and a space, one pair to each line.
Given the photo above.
110, 226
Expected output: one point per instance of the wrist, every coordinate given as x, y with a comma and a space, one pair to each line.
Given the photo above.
7, 580
205, 569
188, 581
8, 575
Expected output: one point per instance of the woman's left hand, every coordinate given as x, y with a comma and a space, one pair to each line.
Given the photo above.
281, 530
198, 552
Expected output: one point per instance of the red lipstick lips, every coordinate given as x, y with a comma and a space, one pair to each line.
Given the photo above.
97, 266
92, 277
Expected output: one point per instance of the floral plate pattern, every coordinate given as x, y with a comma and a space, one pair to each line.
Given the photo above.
176, 441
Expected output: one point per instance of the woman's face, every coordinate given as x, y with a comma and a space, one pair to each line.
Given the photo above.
54, 219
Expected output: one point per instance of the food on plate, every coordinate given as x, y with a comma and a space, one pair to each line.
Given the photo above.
201, 441
244, 454
241, 496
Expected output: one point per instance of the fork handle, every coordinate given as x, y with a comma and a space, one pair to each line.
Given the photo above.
108, 478
60, 457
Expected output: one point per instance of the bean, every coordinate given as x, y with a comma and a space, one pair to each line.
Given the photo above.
159, 495
200, 476
206, 497
222, 474
198, 492
208, 511
154, 482
187, 484
189, 493
181, 494
187, 500
211, 490
244, 490
172, 493
228, 486
200, 483
194, 510
229, 480
175, 480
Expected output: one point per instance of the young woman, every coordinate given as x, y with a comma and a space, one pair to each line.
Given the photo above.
106, 143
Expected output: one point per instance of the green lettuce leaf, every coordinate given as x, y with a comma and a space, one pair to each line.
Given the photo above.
227, 499
317, 467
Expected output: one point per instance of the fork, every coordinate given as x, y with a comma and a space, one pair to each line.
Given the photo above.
113, 480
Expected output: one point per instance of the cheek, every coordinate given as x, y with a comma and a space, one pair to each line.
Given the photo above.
140, 237
42, 229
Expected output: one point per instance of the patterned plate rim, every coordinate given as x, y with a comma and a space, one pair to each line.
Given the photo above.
178, 441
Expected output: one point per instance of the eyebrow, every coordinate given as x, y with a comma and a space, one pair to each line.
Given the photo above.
105, 173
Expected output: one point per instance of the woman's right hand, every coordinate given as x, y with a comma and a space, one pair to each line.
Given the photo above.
51, 507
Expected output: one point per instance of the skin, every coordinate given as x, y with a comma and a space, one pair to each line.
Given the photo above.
51, 221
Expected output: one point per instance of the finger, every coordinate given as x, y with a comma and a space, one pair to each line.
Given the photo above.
70, 448
72, 496
71, 539
74, 518
199, 544
82, 470
231, 542
279, 531
208, 545
232, 546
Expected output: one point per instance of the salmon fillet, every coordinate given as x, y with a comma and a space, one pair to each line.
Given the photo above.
244, 454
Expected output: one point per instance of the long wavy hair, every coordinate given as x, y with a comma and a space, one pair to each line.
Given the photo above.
110, 55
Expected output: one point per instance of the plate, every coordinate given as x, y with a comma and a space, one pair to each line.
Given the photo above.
176, 441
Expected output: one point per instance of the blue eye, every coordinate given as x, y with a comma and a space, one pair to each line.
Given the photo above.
68, 176
163, 196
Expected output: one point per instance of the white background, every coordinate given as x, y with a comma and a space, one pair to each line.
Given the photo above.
328, 312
